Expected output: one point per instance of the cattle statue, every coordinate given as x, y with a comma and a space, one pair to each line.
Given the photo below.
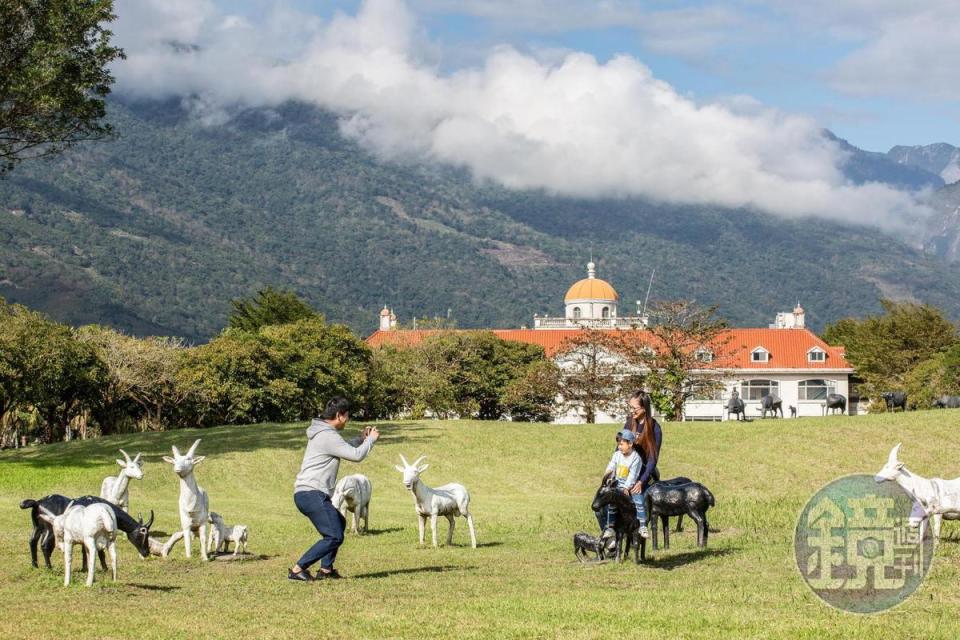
771, 403
895, 399
735, 406
947, 402
836, 401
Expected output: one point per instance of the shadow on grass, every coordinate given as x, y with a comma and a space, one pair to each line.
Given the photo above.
215, 441
240, 557
395, 572
670, 562
481, 545
153, 587
380, 532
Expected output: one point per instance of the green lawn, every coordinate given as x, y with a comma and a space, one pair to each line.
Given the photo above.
531, 488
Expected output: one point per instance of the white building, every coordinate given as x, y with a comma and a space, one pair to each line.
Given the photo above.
785, 359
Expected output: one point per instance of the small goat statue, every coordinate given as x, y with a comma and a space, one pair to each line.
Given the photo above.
353, 493
450, 500
93, 526
222, 535
585, 544
626, 524
933, 497
114, 488
194, 505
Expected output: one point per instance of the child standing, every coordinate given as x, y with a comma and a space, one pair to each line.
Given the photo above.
625, 466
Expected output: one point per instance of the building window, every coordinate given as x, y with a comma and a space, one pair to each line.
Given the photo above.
576, 313
816, 389
816, 355
759, 355
605, 313
704, 355
756, 389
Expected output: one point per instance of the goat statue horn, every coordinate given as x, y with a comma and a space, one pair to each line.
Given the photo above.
404, 461
418, 461
125, 456
136, 458
193, 448
150, 521
894, 453
176, 452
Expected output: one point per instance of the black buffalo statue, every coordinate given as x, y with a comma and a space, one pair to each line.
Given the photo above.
665, 500
947, 402
895, 399
771, 403
836, 401
735, 406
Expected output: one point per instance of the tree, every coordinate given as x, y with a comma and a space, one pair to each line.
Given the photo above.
885, 348
594, 377
532, 397
268, 307
53, 75
454, 373
680, 355
279, 373
140, 381
44, 368
940, 375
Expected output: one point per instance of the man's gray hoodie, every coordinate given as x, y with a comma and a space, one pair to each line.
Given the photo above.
321, 461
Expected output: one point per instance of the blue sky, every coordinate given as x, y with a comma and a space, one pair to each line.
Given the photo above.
784, 56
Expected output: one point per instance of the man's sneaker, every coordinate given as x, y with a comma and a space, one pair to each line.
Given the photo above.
302, 576
333, 574
644, 532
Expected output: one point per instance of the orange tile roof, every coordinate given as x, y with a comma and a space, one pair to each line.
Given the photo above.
787, 347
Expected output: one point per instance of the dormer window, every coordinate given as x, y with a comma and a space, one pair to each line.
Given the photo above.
704, 355
759, 355
816, 355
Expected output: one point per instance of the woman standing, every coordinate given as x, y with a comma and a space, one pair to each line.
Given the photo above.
648, 440
315, 483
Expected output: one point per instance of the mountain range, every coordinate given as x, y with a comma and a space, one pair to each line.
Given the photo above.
156, 231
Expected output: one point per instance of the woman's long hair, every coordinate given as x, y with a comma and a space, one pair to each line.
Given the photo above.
646, 440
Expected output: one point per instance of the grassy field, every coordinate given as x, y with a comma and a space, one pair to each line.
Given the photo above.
531, 488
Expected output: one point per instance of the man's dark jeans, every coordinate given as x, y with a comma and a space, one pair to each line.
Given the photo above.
329, 523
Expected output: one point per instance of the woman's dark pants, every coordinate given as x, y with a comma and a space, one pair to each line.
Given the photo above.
329, 523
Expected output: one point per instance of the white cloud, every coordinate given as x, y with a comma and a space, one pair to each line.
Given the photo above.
574, 126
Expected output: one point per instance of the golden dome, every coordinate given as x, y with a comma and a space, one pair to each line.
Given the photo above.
591, 289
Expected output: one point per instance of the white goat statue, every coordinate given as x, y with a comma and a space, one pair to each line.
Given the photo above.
113, 489
194, 505
222, 535
93, 526
933, 497
161, 548
449, 500
352, 494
